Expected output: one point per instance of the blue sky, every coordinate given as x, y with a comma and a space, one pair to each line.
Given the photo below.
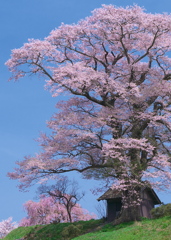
25, 106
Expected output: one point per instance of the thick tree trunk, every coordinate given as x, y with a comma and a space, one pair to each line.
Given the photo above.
128, 214
130, 211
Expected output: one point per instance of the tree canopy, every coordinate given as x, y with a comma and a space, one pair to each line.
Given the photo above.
115, 126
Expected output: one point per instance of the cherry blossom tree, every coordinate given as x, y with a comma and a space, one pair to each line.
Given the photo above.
115, 69
65, 192
49, 210
6, 226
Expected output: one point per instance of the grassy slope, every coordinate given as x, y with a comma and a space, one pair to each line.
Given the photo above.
19, 232
50, 231
145, 230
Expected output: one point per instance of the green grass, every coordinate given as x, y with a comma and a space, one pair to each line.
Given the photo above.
158, 229
50, 231
19, 232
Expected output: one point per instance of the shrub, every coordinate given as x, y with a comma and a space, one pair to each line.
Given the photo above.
162, 211
71, 231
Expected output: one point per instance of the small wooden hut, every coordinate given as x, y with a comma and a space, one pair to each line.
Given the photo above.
114, 203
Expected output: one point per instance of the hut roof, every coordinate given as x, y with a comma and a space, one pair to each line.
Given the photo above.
115, 194
110, 194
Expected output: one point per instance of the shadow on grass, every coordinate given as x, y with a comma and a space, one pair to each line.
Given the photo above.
110, 227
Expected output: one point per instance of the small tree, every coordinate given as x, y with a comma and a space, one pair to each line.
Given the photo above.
6, 226
101, 209
116, 65
49, 210
65, 192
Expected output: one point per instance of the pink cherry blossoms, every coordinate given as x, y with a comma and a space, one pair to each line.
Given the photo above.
116, 125
48, 210
6, 226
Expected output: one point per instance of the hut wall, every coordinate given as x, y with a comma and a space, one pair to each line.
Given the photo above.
146, 205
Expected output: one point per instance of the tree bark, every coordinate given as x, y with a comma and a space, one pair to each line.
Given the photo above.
128, 214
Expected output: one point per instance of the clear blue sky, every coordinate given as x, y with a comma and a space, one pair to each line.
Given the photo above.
25, 106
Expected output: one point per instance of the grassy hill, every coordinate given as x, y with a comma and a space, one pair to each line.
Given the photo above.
146, 230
